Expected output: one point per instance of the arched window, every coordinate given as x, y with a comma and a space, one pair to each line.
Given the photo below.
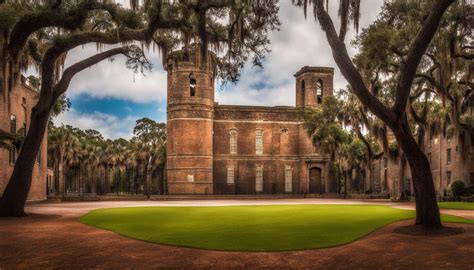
233, 142
259, 142
259, 179
13, 124
319, 91
192, 87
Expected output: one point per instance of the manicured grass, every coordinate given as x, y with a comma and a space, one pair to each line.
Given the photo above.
250, 228
457, 205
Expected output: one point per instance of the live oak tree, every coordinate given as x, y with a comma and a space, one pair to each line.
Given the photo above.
395, 116
28, 35
441, 92
44, 31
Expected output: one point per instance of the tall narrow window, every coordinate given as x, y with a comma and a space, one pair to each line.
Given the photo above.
230, 175
233, 142
12, 124
259, 179
192, 87
259, 142
25, 115
303, 92
448, 176
288, 179
12, 154
448, 155
319, 91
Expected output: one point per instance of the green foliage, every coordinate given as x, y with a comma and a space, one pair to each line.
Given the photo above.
34, 81
237, 32
322, 125
459, 188
63, 104
393, 147
356, 151
76, 148
439, 94
374, 144
149, 131
251, 228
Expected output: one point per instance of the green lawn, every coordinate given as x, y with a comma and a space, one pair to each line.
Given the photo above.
457, 205
250, 228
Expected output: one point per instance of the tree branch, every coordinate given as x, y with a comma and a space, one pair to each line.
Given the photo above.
417, 50
61, 87
348, 69
35, 21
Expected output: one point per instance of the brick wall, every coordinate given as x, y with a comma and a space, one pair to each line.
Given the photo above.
21, 100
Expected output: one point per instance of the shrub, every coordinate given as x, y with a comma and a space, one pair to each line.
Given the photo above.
458, 188
470, 190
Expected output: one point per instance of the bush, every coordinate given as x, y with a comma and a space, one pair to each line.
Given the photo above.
459, 188
470, 190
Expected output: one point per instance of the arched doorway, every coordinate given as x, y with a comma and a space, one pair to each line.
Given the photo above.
315, 181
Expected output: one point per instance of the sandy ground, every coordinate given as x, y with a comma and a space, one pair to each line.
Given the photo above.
51, 238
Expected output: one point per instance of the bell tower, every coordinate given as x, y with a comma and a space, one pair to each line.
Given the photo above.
313, 84
190, 109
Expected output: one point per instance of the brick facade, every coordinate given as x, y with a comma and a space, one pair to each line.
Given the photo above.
19, 103
226, 149
449, 162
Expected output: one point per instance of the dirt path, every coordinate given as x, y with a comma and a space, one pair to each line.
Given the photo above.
59, 242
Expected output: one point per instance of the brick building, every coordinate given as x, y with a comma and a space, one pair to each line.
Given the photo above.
227, 149
450, 161
15, 109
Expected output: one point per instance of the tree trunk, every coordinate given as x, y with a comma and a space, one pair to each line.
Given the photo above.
427, 211
16, 193
61, 186
401, 178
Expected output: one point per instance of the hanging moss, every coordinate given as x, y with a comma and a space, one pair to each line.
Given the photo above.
393, 147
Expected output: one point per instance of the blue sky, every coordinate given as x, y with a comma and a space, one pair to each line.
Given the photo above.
109, 98
121, 108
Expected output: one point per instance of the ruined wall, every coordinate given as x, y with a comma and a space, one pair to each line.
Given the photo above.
21, 100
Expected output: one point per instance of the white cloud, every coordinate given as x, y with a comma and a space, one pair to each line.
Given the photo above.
113, 79
111, 126
300, 42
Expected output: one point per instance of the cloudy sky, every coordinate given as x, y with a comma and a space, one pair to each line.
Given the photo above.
110, 98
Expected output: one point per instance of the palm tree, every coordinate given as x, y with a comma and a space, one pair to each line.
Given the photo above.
327, 134
61, 145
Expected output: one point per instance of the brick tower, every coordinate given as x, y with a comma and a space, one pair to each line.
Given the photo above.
190, 110
313, 84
